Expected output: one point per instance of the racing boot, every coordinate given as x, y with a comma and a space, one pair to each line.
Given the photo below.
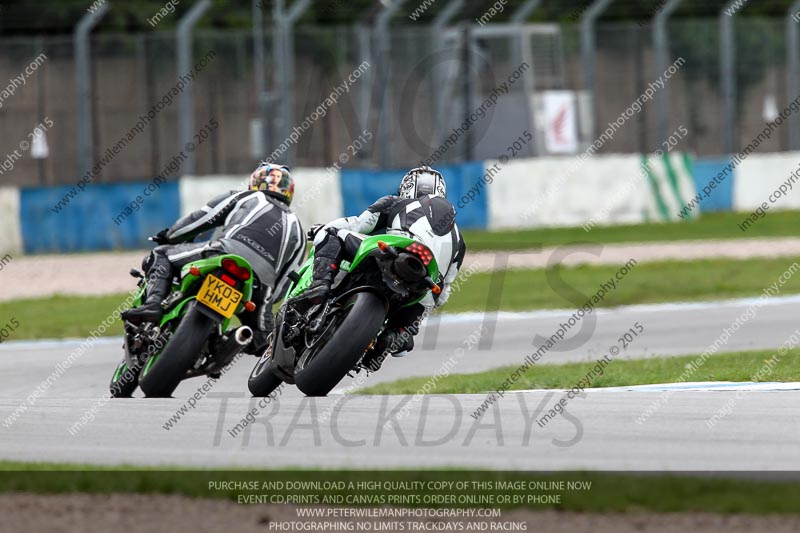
397, 339
159, 279
394, 342
326, 264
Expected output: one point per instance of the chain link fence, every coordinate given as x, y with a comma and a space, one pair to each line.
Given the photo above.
417, 90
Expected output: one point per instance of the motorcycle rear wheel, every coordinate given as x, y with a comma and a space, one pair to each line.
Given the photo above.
160, 379
331, 363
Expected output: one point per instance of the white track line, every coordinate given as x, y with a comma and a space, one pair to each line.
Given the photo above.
692, 386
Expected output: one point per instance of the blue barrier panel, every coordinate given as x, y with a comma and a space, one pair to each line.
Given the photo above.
361, 187
720, 198
87, 222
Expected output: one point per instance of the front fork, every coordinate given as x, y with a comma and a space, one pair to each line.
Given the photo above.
143, 342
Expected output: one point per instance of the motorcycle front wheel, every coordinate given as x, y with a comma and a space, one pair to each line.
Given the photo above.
124, 381
262, 381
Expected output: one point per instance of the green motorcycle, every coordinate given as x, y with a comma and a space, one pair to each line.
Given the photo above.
195, 337
316, 350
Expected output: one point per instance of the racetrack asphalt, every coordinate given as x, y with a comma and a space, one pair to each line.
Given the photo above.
599, 431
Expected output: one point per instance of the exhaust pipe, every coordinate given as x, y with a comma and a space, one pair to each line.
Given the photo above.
243, 336
233, 346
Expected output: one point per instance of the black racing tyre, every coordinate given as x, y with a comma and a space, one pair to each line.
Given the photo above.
328, 366
124, 381
262, 381
160, 379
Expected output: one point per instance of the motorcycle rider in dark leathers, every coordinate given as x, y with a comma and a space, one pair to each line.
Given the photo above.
257, 224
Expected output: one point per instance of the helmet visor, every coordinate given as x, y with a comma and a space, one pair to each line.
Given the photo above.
271, 178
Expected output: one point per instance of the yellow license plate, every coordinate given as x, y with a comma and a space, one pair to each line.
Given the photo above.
219, 296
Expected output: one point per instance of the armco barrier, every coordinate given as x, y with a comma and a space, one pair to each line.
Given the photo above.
87, 223
11, 235
362, 187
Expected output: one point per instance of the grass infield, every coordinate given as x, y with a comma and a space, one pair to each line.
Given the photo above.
735, 366
708, 226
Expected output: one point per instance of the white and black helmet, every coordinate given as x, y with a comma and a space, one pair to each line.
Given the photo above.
421, 181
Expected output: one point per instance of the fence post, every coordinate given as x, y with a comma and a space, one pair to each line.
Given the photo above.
186, 99
41, 106
661, 46
259, 74
793, 82
384, 49
524, 11
520, 50
284, 67
727, 65
83, 89
439, 71
466, 81
588, 49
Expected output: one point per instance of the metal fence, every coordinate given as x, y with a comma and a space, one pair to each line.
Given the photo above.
413, 88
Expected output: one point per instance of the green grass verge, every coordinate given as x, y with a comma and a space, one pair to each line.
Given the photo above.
735, 366
522, 290
645, 283
709, 226
609, 492
61, 316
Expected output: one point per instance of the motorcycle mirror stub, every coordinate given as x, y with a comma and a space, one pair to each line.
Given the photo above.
387, 249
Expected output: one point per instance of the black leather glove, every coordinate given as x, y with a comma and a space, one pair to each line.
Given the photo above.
160, 237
